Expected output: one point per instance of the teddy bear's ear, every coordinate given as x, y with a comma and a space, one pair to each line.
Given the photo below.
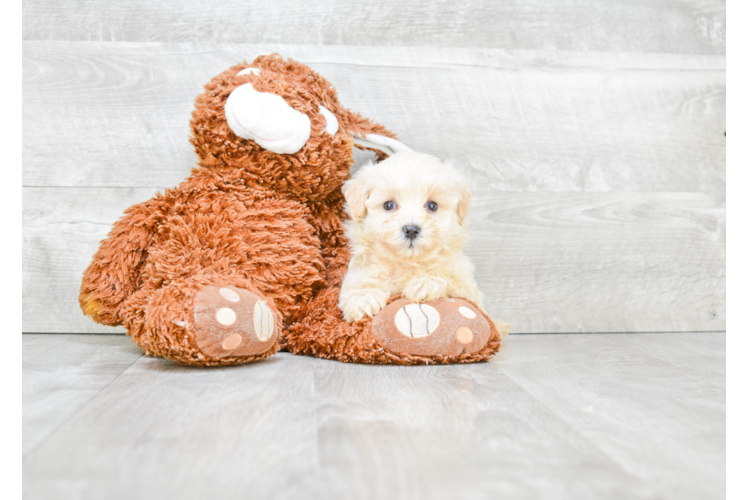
356, 190
266, 119
331, 121
386, 145
248, 71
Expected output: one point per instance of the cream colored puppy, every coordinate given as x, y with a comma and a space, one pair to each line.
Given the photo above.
406, 234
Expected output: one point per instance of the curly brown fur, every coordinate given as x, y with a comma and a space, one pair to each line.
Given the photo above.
246, 217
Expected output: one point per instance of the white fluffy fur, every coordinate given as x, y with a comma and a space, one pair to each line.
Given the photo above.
383, 261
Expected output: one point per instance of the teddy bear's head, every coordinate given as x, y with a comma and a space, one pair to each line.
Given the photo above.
282, 123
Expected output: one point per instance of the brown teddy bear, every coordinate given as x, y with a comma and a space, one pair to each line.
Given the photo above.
248, 253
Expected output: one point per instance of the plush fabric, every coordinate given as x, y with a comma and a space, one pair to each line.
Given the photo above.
248, 253
322, 332
266, 119
380, 143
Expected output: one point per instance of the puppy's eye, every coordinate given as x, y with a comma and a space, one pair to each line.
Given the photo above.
389, 205
432, 206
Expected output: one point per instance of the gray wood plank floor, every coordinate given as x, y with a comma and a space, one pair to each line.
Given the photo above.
552, 416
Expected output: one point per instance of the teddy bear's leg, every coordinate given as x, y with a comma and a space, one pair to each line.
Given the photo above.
443, 331
115, 270
205, 320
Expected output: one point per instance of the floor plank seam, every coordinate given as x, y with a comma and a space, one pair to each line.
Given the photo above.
571, 428
30, 451
618, 463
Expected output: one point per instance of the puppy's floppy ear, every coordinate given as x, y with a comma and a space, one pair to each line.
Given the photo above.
463, 191
464, 204
356, 190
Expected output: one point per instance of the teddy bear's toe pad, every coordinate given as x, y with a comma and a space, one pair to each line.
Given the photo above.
230, 321
447, 327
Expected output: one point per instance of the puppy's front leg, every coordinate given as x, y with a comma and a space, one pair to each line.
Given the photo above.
363, 292
425, 288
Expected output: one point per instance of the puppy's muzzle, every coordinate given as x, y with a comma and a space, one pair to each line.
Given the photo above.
411, 232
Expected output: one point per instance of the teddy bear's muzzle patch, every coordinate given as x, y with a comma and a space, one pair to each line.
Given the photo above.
266, 119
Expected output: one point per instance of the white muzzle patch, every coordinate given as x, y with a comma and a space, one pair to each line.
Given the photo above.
267, 119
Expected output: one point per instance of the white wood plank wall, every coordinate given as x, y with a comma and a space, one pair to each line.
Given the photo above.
593, 134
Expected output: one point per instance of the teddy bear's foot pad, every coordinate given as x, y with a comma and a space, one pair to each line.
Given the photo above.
231, 321
447, 327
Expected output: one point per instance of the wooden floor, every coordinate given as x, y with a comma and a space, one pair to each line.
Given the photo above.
607, 416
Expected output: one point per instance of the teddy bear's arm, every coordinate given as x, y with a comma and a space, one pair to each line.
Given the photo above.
115, 271
361, 127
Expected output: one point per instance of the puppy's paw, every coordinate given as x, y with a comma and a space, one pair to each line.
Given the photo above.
425, 289
357, 304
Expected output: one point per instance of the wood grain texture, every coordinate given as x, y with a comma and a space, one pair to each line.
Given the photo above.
601, 262
170, 431
61, 374
547, 262
62, 229
599, 175
552, 416
608, 398
117, 114
693, 26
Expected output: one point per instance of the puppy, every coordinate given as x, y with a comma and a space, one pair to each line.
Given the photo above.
406, 232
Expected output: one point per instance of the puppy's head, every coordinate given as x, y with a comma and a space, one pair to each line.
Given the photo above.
410, 205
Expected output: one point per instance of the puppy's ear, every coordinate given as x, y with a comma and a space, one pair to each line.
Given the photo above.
463, 191
356, 190
464, 204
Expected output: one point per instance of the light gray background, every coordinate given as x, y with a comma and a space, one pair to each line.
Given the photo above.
593, 133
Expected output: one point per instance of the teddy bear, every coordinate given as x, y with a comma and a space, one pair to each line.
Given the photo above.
247, 255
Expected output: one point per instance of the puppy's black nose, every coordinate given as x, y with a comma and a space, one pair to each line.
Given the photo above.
411, 231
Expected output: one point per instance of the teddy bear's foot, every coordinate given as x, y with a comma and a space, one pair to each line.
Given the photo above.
446, 327
231, 321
